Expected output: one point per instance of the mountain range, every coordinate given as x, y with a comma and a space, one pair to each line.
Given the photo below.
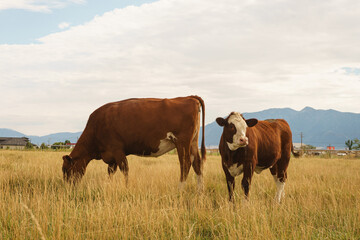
318, 127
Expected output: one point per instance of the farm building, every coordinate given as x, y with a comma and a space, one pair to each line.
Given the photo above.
298, 146
13, 142
330, 147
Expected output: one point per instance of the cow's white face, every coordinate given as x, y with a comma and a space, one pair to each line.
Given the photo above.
234, 132
239, 138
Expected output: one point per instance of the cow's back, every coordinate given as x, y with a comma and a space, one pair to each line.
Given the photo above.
135, 124
271, 139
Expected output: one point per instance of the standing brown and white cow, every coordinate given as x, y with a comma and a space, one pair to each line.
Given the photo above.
144, 127
248, 146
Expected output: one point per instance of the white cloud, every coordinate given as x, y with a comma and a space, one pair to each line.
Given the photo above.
64, 25
37, 5
244, 56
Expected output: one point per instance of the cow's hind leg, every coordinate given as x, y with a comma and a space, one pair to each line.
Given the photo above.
279, 173
185, 162
197, 165
279, 185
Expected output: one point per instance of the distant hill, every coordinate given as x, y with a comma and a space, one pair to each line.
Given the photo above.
319, 127
56, 137
47, 139
5, 132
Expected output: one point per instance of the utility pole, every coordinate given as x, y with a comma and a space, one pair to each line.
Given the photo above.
301, 145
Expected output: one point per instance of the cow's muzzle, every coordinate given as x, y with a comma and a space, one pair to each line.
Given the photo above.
243, 142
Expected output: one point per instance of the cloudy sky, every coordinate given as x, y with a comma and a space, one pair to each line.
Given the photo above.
61, 59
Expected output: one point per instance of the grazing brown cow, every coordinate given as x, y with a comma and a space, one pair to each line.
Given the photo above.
144, 127
251, 145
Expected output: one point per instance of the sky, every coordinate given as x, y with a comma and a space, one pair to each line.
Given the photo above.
62, 59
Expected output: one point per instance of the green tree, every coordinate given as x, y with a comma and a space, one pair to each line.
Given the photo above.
43, 146
57, 145
349, 143
356, 144
308, 146
29, 145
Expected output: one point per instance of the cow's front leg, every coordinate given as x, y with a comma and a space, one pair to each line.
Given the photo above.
230, 181
246, 181
122, 162
112, 169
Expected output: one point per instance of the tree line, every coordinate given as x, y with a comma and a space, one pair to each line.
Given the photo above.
56, 145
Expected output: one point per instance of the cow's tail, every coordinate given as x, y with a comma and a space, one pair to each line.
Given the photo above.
296, 154
203, 149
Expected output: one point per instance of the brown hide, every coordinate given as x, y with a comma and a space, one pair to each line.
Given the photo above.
269, 146
137, 126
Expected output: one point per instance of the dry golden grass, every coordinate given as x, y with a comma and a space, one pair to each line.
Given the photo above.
322, 201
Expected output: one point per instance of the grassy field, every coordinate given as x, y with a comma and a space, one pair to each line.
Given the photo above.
322, 201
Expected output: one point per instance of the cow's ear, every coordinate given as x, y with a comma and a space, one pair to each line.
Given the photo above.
222, 122
67, 158
251, 122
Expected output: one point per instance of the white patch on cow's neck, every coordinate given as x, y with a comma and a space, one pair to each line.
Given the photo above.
240, 126
236, 169
233, 146
166, 145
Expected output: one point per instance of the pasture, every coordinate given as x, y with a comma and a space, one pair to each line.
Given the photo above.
322, 201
